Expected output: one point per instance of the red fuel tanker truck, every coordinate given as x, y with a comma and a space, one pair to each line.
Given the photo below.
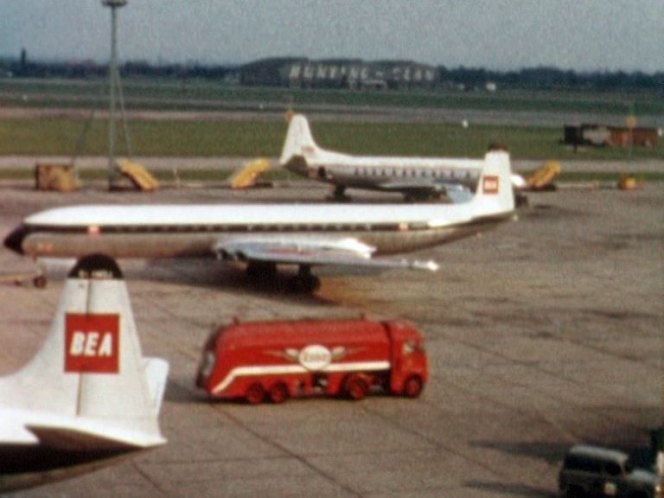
282, 359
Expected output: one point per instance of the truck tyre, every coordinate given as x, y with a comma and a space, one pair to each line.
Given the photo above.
278, 393
412, 388
255, 394
356, 388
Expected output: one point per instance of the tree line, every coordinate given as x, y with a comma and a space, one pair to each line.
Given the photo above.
543, 77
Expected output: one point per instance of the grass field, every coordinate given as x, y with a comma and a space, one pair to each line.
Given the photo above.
207, 95
69, 137
241, 138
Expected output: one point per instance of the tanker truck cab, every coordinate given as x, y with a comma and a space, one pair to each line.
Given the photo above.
282, 359
409, 367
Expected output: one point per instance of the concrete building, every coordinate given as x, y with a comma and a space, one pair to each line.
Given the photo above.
338, 73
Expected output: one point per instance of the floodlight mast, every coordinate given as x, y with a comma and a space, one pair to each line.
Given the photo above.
114, 82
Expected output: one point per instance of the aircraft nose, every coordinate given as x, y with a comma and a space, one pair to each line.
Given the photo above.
14, 240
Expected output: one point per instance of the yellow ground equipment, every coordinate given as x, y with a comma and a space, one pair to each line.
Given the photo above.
628, 182
248, 175
542, 178
58, 177
139, 175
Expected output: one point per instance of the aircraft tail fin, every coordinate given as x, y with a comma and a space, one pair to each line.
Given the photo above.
91, 368
299, 140
494, 195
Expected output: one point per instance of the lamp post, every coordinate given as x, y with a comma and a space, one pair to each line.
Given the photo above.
114, 81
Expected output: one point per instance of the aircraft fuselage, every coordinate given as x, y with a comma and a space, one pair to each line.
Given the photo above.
387, 173
193, 231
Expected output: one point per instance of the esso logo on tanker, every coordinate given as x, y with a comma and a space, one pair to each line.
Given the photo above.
315, 357
92, 343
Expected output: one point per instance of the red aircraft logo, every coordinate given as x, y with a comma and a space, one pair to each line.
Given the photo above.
92, 343
490, 184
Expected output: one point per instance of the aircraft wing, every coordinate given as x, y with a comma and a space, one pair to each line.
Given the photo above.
455, 191
346, 251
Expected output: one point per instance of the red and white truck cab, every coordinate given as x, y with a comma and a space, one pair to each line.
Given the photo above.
282, 359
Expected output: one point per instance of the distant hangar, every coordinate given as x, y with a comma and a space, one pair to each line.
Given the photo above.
338, 73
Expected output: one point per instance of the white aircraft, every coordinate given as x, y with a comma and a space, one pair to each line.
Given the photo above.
418, 178
264, 235
88, 396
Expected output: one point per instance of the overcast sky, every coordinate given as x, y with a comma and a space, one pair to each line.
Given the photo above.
496, 34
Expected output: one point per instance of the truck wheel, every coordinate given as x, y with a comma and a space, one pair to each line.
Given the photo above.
356, 388
412, 388
278, 393
255, 394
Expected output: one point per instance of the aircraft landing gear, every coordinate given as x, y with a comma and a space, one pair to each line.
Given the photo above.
339, 194
262, 273
39, 280
304, 281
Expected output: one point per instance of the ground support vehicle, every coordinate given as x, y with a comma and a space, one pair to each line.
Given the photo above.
282, 359
590, 471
